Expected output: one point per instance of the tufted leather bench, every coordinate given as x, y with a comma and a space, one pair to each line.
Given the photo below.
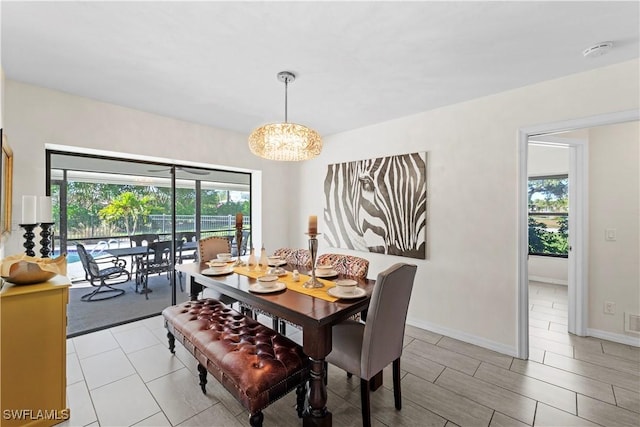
253, 362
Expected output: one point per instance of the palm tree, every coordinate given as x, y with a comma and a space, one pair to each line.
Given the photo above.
127, 207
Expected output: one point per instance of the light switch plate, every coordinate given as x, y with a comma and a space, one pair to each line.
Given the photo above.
610, 234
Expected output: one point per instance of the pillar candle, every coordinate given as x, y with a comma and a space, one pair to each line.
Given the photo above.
239, 220
46, 215
313, 224
28, 210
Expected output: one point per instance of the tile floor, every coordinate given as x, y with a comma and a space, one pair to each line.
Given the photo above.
125, 376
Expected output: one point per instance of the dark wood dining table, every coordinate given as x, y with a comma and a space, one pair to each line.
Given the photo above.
315, 316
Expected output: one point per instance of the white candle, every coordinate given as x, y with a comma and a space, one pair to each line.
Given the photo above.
313, 224
28, 209
46, 215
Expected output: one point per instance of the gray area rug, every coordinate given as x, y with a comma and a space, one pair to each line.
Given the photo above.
84, 317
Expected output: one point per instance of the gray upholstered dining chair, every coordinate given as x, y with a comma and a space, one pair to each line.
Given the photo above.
366, 349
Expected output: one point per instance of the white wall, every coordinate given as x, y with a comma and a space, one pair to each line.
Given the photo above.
614, 203
467, 287
543, 160
36, 116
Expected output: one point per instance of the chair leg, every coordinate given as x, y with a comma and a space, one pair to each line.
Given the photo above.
92, 296
365, 403
301, 395
283, 327
274, 323
397, 394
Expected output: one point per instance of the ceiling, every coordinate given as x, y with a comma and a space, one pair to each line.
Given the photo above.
357, 63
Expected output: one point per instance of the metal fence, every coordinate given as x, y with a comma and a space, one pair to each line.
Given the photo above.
210, 225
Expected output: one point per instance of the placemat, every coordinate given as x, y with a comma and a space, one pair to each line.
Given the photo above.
294, 286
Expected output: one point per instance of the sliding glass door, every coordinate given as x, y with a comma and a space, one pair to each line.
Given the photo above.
116, 209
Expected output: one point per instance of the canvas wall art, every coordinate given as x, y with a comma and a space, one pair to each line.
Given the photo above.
378, 205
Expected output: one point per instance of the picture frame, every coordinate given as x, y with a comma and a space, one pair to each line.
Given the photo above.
6, 184
378, 205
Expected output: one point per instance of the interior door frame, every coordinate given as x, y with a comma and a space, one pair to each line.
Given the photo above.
578, 317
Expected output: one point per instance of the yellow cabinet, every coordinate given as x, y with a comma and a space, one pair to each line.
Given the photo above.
33, 353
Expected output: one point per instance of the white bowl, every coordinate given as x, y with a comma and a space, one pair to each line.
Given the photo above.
218, 266
324, 268
268, 281
224, 256
346, 286
272, 260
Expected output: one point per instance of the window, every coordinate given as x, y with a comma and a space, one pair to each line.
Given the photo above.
548, 215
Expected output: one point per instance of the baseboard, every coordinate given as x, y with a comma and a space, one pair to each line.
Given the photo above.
549, 280
610, 336
465, 337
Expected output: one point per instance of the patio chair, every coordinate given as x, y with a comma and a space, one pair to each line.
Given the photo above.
140, 240
93, 274
157, 260
243, 245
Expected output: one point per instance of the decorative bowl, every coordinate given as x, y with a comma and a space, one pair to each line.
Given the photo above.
29, 270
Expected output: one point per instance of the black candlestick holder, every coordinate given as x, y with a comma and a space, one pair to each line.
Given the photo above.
45, 242
28, 238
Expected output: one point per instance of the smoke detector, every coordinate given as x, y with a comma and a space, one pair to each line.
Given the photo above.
597, 49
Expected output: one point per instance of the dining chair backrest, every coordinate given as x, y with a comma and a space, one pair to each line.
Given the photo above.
387, 313
346, 265
143, 239
283, 253
301, 257
210, 247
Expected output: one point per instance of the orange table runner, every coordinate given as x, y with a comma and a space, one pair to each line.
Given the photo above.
294, 286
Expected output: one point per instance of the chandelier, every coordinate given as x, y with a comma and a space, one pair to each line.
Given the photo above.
285, 141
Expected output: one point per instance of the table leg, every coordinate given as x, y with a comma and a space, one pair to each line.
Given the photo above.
317, 344
194, 289
317, 413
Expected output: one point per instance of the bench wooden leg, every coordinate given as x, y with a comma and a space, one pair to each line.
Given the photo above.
255, 420
172, 343
203, 378
301, 397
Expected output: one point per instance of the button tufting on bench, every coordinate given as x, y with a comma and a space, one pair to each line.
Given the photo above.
254, 363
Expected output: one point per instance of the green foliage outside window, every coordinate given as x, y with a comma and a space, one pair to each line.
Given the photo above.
101, 210
548, 216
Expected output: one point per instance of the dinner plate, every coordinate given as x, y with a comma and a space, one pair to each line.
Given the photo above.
261, 290
211, 272
329, 273
335, 292
278, 264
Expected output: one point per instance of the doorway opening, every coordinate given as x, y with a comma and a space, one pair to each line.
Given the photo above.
579, 226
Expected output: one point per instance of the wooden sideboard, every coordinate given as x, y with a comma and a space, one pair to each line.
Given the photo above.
33, 353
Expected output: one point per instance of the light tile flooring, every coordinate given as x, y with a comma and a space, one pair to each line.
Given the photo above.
125, 376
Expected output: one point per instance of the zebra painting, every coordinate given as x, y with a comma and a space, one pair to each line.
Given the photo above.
378, 205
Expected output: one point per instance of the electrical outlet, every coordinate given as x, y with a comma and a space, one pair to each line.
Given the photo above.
609, 307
